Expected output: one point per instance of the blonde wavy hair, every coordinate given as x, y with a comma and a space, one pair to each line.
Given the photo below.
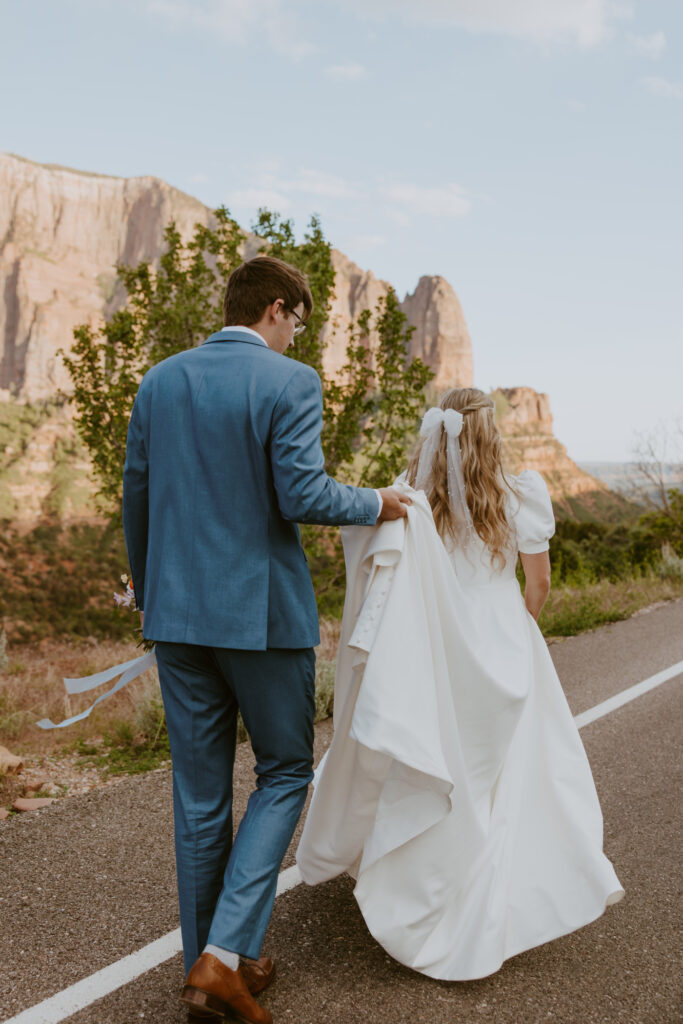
486, 484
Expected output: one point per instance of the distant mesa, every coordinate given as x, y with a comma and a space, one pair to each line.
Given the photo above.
441, 338
526, 423
62, 233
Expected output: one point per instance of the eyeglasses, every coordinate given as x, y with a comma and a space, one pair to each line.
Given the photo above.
300, 323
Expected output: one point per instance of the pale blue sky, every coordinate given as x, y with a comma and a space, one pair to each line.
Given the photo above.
530, 151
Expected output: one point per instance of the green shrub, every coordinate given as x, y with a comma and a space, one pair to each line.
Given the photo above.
324, 689
671, 565
59, 582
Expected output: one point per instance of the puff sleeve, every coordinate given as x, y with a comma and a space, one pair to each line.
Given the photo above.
533, 519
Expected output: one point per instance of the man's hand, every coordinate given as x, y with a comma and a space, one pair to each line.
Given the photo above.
393, 504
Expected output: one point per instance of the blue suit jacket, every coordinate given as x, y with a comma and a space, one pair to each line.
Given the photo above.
223, 459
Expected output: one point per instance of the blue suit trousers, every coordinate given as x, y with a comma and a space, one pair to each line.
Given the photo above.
226, 887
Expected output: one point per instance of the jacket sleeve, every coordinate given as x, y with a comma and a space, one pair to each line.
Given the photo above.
305, 493
136, 500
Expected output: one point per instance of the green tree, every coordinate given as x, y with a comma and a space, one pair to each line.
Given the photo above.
313, 256
168, 310
371, 408
371, 414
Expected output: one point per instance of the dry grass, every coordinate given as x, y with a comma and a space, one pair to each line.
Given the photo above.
329, 639
31, 685
572, 610
31, 676
31, 688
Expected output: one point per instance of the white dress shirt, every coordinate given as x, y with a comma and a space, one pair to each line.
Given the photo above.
257, 335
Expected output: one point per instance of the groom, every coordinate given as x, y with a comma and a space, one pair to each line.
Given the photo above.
223, 459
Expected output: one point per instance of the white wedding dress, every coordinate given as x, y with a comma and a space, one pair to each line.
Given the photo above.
456, 790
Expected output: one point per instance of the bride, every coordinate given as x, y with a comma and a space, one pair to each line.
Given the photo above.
456, 790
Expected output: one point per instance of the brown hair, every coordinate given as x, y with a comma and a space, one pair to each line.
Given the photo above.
259, 282
486, 486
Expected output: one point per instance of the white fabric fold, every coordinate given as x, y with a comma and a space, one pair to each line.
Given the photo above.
456, 789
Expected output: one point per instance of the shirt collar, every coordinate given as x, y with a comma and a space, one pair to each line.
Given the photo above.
256, 334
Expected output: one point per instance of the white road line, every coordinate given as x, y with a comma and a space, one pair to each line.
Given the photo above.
57, 1008
87, 991
83, 993
630, 694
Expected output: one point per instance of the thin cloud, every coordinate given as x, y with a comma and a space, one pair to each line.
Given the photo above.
586, 23
307, 181
239, 22
399, 217
319, 183
255, 198
347, 72
269, 188
400, 201
652, 46
440, 201
576, 106
365, 241
663, 87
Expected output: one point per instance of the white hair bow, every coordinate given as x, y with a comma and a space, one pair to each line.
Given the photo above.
450, 418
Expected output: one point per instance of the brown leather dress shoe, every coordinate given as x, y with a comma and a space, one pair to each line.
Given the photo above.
213, 987
257, 973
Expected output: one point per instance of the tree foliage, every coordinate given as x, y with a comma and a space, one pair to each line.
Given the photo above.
168, 310
588, 552
313, 256
371, 414
666, 523
371, 408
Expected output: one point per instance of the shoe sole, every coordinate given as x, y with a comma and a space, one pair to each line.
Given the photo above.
197, 999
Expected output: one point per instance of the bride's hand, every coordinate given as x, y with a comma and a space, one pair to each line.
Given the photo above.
393, 504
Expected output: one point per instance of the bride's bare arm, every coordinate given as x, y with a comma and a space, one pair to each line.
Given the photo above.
537, 581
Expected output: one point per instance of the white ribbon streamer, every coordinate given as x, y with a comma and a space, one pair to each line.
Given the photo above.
433, 422
128, 670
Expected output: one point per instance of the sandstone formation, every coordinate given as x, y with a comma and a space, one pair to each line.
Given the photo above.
526, 423
47, 473
441, 338
9, 762
35, 804
61, 234
63, 231
354, 291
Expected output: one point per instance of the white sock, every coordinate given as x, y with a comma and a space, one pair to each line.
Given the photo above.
230, 960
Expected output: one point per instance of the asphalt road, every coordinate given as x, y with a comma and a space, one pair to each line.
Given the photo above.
91, 879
